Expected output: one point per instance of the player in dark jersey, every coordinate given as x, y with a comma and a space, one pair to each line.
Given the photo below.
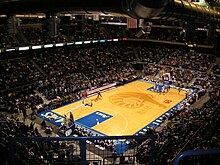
99, 94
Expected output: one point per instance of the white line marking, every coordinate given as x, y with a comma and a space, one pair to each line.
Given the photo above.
126, 121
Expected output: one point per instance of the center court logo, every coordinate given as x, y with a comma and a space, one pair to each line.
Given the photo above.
133, 100
128, 100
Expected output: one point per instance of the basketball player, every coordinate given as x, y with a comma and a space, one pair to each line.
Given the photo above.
163, 89
155, 87
168, 88
187, 93
99, 94
71, 117
158, 88
84, 96
179, 90
97, 121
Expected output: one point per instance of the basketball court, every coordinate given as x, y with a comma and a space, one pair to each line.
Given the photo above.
124, 110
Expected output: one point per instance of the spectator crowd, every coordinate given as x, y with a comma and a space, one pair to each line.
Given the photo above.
64, 72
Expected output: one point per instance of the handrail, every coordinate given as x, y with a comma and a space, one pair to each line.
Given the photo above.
195, 152
188, 141
82, 143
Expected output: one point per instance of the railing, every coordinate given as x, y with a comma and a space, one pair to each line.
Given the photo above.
81, 150
212, 157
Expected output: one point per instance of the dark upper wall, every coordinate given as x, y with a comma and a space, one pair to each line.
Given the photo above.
147, 9
135, 8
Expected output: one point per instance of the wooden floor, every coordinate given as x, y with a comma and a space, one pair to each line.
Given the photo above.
131, 106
